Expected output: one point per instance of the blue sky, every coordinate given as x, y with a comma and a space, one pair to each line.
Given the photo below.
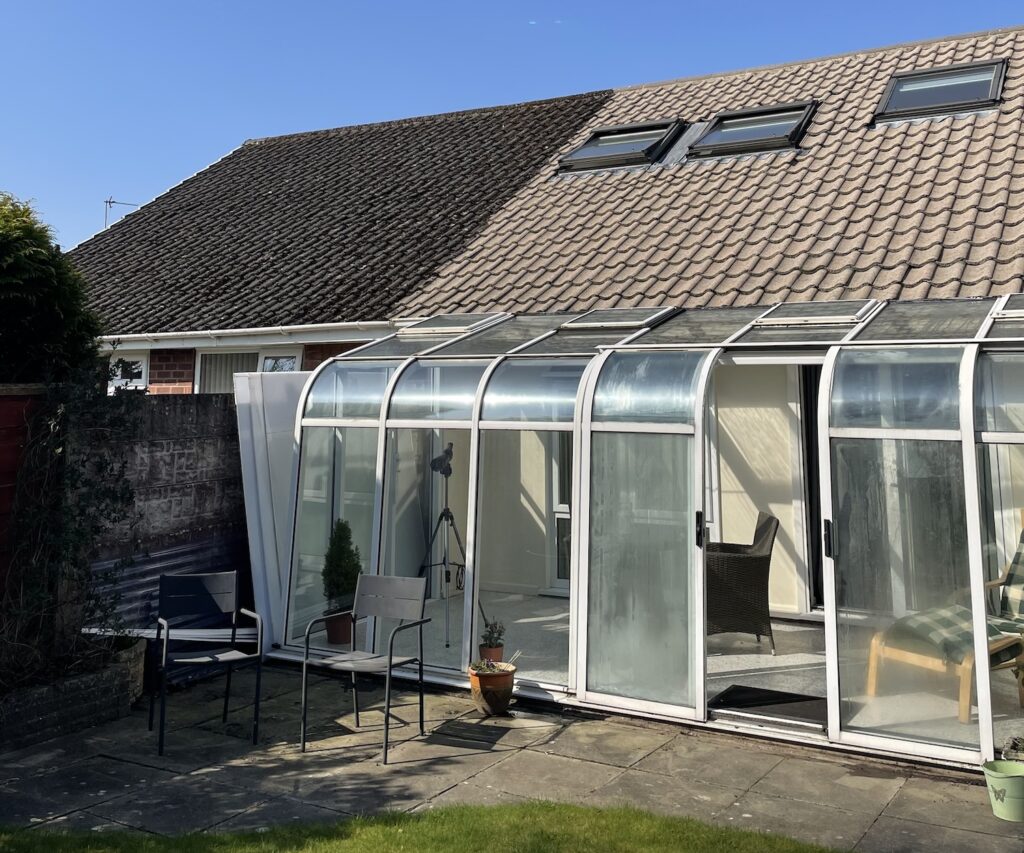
126, 99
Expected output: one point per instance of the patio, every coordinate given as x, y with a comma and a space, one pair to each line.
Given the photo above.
213, 780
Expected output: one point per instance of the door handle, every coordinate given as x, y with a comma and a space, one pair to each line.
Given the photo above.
700, 529
827, 540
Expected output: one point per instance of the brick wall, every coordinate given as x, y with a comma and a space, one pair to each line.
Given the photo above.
313, 355
172, 371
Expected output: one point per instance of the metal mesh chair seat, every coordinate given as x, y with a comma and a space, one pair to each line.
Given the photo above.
363, 662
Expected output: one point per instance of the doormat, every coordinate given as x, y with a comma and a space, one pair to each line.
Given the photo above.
771, 703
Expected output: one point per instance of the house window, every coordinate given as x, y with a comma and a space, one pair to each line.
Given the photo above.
217, 370
626, 145
939, 91
128, 370
753, 130
279, 363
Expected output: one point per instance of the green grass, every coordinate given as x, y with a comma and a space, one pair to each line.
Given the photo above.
528, 828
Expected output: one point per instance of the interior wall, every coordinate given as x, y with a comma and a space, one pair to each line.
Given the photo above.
759, 457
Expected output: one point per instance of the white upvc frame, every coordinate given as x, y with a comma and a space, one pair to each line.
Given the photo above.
261, 354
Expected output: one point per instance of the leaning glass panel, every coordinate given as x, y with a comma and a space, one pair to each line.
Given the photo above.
934, 319
999, 392
533, 389
903, 599
702, 326
337, 478
640, 602
349, 389
651, 387
436, 390
506, 336
523, 555
912, 388
426, 475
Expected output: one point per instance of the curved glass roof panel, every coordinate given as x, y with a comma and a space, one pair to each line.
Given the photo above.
534, 389
702, 326
648, 387
402, 346
505, 336
349, 389
931, 319
572, 342
909, 388
999, 392
436, 390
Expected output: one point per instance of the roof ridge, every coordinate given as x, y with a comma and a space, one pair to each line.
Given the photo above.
826, 58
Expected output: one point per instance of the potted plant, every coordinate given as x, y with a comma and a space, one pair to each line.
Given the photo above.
492, 643
342, 566
492, 683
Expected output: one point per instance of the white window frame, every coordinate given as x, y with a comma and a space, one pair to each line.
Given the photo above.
261, 354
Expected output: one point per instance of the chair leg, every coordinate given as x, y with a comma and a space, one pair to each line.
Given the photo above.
771, 640
387, 713
355, 699
966, 683
227, 695
163, 711
302, 725
874, 662
256, 705
423, 730
1019, 675
152, 701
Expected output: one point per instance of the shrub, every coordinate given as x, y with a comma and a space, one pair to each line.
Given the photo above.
342, 566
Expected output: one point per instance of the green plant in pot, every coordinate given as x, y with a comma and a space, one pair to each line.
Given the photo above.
342, 565
492, 642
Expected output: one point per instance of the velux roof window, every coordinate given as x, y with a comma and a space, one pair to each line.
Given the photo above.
752, 130
938, 91
626, 145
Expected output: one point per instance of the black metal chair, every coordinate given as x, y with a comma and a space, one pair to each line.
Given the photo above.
382, 597
201, 602
737, 583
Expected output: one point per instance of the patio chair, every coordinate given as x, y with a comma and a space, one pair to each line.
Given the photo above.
737, 583
1010, 618
382, 597
207, 601
942, 640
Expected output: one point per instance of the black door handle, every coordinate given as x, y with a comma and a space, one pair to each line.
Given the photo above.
700, 529
827, 538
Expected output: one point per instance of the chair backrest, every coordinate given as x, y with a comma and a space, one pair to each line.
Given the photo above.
1012, 605
390, 597
210, 597
764, 533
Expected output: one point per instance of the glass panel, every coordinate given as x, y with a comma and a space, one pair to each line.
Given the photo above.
403, 346
522, 535
506, 336
640, 604
703, 326
349, 389
279, 363
451, 322
616, 317
534, 389
571, 342
1001, 480
1006, 329
999, 392
796, 334
648, 387
415, 497
914, 388
618, 142
217, 370
732, 131
902, 589
825, 310
1015, 302
337, 476
436, 390
942, 88
928, 320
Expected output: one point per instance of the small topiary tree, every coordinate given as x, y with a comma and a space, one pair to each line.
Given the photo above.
342, 566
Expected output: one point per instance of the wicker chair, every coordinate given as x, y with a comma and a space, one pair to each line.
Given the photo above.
737, 583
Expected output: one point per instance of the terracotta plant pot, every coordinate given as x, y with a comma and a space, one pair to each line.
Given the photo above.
492, 691
339, 631
491, 653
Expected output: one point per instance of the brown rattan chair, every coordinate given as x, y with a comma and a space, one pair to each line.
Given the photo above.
737, 583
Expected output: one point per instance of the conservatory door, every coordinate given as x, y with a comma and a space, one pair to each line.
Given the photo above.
641, 533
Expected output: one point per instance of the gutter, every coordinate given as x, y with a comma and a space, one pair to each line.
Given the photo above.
266, 336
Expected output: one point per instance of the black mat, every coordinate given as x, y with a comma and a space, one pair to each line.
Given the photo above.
771, 703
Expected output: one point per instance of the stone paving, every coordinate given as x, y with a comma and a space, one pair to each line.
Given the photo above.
212, 779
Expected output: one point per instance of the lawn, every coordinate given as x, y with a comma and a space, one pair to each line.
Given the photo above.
528, 828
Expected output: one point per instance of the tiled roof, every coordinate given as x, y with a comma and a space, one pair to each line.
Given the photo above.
929, 208
334, 225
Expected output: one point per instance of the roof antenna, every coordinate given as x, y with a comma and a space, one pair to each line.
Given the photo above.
109, 203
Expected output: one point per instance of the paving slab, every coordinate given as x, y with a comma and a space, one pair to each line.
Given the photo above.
83, 821
184, 750
618, 744
804, 821
543, 776
895, 835
519, 729
858, 787
950, 804
679, 797
178, 805
719, 763
470, 794
280, 811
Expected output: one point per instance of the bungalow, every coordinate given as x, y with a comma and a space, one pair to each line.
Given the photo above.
727, 372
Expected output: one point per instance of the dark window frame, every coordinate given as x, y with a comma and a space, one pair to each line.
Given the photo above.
995, 92
754, 146
674, 128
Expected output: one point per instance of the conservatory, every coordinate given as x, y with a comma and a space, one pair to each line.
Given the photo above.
592, 481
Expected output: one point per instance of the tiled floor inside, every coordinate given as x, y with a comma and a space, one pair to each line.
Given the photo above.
212, 779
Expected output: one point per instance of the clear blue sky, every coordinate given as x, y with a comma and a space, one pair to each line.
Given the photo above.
126, 99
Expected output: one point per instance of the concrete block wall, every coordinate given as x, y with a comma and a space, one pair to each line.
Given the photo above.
172, 371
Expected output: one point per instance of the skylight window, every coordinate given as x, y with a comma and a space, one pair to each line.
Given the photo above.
752, 130
628, 145
939, 91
